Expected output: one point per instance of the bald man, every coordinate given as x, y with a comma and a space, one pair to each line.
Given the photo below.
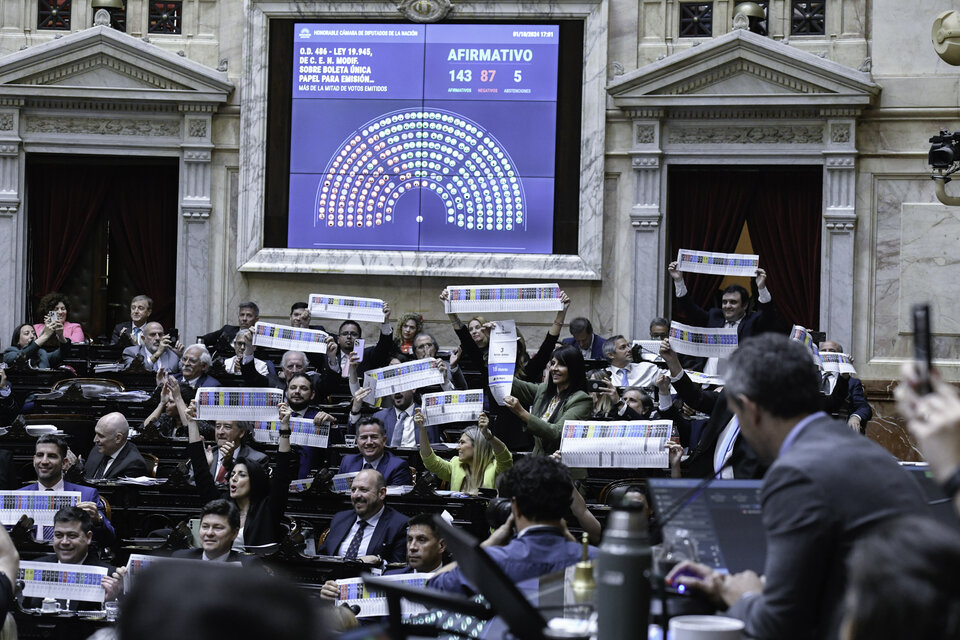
112, 455
156, 349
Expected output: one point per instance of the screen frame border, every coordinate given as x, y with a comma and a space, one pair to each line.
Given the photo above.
253, 257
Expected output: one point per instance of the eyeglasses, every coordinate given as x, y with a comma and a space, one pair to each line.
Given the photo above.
349, 334
426, 345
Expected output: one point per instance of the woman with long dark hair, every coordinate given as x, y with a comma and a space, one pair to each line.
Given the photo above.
26, 341
261, 501
562, 397
56, 306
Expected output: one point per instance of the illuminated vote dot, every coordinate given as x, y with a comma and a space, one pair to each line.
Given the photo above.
388, 218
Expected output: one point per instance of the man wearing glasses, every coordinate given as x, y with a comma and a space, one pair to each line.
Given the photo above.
337, 363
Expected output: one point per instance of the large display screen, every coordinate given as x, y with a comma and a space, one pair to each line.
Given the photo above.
435, 137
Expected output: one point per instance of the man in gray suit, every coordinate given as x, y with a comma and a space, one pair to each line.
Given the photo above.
826, 488
156, 350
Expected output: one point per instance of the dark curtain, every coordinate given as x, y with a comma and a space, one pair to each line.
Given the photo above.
143, 231
62, 213
707, 210
784, 224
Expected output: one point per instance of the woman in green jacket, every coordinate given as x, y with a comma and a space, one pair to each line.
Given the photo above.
480, 457
562, 397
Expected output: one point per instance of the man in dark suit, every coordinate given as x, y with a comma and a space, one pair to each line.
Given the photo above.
230, 435
371, 532
337, 363
852, 406
49, 462
156, 350
721, 450
129, 333
193, 368
398, 419
825, 489
591, 345
221, 340
219, 527
72, 534
371, 441
113, 455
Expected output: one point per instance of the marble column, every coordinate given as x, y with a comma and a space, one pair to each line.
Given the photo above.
12, 246
837, 233
645, 219
193, 261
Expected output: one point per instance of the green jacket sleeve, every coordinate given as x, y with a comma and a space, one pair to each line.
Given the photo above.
578, 406
435, 464
524, 391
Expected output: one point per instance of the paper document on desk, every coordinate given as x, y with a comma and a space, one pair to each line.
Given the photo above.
452, 406
61, 581
502, 298
373, 603
635, 444
726, 264
701, 341
238, 403
278, 336
502, 359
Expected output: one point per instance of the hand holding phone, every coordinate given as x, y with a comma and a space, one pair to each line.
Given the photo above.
921, 347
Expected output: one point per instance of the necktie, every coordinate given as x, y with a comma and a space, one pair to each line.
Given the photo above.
101, 468
725, 447
221, 474
354, 547
399, 429
136, 335
825, 384
367, 465
623, 378
47, 532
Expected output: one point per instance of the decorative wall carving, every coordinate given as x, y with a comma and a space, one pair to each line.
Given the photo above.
197, 128
425, 10
102, 127
645, 133
57, 74
735, 68
840, 133
6, 122
780, 134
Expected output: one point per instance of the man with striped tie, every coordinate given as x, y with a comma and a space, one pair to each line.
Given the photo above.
49, 461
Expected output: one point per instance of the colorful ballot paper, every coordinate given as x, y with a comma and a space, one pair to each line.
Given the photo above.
701, 341
62, 581
324, 305
638, 444
238, 403
372, 603
278, 336
402, 377
40, 506
301, 485
696, 377
341, 481
727, 264
502, 359
837, 362
136, 564
502, 299
303, 433
452, 406
804, 337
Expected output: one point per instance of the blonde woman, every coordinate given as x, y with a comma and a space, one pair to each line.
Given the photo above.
480, 457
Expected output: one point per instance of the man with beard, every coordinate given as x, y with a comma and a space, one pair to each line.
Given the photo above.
337, 362
300, 392
193, 368
371, 441
397, 420
156, 350
370, 532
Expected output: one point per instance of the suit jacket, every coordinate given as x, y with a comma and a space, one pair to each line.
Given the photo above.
764, 319
743, 459
220, 339
124, 337
373, 358
205, 380
394, 469
75, 605
39, 358
389, 418
103, 535
389, 540
245, 451
247, 560
843, 403
129, 463
826, 492
169, 360
596, 348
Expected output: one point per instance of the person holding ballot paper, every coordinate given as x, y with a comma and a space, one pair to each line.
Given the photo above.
261, 500
562, 397
481, 457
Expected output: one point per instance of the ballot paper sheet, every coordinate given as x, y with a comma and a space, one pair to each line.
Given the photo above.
402, 377
502, 298
726, 264
702, 341
633, 444
303, 433
238, 403
373, 603
323, 305
277, 336
61, 581
40, 506
452, 406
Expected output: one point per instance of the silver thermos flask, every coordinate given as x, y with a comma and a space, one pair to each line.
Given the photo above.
623, 576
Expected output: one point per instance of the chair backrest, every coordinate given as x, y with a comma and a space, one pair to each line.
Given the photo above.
90, 385
152, 463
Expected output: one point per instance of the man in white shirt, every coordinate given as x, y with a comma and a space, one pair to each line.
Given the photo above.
624, 372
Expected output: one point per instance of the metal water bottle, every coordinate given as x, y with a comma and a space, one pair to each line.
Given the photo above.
623, 576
